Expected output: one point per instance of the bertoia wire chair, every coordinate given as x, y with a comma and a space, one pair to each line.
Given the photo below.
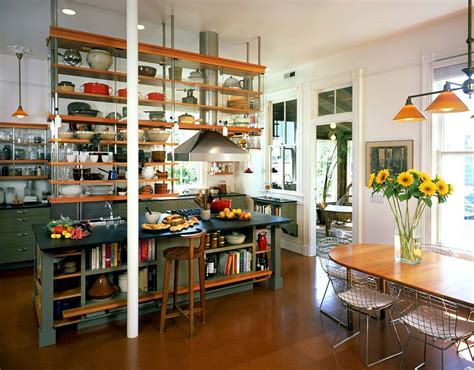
430, 316
361, 296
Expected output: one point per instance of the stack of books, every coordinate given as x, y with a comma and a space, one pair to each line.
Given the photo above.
105, 256
147, 279
235, 262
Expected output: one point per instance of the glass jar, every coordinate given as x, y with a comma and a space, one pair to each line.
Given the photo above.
2, 196
10, 195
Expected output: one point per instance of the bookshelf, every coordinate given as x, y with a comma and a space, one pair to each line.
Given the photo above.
278, 207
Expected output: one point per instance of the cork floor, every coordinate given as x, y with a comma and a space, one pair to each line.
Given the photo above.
259, 329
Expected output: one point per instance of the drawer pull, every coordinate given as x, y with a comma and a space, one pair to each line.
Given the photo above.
21, 234
24, 249
21, 219
21, 211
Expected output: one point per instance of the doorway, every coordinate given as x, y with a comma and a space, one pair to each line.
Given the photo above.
334, 178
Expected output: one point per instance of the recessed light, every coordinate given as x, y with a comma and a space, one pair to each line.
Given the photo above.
69, 11
141, 27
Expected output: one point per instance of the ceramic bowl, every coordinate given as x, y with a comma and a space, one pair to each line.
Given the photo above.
94, 158
70, 190
66, 135
83, 157
107, 158
85, 134
158, 135
107, 135
71, 157
140, 134
153, 217
235, 238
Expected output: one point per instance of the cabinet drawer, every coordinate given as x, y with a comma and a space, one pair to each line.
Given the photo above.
8, 213
17, 254
21, 223
187, 203
24, 238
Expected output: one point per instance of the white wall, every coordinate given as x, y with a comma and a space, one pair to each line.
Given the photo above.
392, 70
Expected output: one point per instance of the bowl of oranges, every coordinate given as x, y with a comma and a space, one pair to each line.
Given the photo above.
234, 214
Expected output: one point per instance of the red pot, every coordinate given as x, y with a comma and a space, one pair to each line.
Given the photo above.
155, 96
218, 205
96, 88
122, 92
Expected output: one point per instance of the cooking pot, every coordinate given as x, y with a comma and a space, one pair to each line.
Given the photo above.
112, 174
99, 59
187, 118
123, 93
155, 96
156, 115
218, 205
66, 86
146, 71
72, 57
96, 88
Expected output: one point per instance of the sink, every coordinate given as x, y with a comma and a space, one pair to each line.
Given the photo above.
107, 221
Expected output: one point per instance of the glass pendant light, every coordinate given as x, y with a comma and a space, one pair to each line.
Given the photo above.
447, 102
409, 113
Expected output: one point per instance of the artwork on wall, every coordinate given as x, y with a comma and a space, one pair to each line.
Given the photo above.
396, 156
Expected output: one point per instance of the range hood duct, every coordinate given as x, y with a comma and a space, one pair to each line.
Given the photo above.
209, 45
210, 146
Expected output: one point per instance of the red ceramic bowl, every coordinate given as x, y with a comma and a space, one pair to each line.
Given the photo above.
96, 88
155, 96
122, 92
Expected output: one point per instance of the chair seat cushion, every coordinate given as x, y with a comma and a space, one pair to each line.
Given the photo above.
180, 253
365, 298
438, 324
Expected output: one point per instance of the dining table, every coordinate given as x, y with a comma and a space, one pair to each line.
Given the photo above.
444, 276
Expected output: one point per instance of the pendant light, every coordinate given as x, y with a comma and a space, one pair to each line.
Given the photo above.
19, 51
447, 101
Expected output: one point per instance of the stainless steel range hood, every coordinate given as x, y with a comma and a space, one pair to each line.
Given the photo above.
210, 146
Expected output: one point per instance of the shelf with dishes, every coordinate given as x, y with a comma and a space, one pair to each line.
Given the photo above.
85, 72
167, 104
116, 164
23, 161
101, 198
109, 142
8, 178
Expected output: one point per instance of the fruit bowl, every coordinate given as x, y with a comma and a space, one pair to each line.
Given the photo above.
65, 228
235, 238
234, 214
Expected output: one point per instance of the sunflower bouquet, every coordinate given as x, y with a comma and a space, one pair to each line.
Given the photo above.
399, 190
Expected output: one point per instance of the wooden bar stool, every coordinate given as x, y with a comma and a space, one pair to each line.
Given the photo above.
184, 253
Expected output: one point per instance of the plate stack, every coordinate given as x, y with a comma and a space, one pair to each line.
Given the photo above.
100, 189
239, 102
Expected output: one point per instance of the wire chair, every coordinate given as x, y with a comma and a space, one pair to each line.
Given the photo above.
430, 316
322, 251
361, 296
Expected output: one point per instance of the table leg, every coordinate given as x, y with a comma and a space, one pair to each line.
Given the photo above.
350, 323
328, 221
276, 281
47, 333
381, 288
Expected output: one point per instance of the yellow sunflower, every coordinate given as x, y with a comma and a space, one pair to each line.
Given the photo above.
451, 189
371, 180
428, 188
424, 177
405, 179
442, 187
412, 170
382, 176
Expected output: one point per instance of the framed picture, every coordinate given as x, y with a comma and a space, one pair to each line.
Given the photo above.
395, 156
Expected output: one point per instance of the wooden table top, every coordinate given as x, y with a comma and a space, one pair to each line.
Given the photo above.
448, 277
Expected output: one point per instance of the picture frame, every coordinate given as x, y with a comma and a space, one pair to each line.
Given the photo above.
394, 155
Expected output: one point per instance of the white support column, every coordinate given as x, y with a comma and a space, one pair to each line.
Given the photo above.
132, 168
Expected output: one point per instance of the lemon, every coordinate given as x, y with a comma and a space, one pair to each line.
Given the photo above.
226, 210
221, 214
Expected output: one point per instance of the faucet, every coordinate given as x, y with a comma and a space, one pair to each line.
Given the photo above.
111, 211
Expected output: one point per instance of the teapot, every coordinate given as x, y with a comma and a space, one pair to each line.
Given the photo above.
232, 83
72, 57
148, 172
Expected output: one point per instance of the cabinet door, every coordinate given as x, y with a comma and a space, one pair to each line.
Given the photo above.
239, 202
17, 254
9, 213
17, 238
21, 223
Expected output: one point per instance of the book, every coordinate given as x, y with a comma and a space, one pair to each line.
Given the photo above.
107, 255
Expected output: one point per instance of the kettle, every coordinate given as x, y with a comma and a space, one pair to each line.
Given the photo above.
72, 57
232, 83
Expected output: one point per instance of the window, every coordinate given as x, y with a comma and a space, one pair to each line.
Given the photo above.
455, 153
283, 149
335, 101
188, 174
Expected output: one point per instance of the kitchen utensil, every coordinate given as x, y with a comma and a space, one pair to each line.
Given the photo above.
196, 76
66, 135
153, 217
235, 238
66, 86
122, 92
156, 115
146, 189
102, 288
120, 157
148, 209
94, 158
146, 71
123, 282
99, 59
262, 241
115, 115
71, 57
85, 113
111, 174
205, 214
96, 176
189, 98
76, 174
158, 155
232, 82
218, 205
247, 83
96, 88
84, 157
107, 158
155, 96
70, 190
157, 135
86, 174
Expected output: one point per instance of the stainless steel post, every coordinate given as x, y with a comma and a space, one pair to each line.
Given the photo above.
209, 45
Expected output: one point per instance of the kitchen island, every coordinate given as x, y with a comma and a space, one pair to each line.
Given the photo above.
61, 298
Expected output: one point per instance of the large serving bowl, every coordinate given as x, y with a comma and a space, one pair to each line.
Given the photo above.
235, 238
66, 135
140, 134
70, 190
157, 135
85, 134
106, 135
99, 59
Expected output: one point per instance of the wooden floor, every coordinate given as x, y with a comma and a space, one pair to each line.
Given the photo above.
259, 329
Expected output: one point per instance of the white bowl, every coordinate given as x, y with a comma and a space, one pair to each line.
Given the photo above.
70, 190
94, 158
106, 158
140, 134
83, 157
71, 157
158, 135
107, 135
235, 238
153, 218
85, 134
124, 193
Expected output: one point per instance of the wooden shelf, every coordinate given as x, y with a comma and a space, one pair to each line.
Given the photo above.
108, 142
70, 293
157, 180
152, 196
34, 126
268, 250
121, 300
85, 182
6, 178
120, 164
63, 322
147, 102
24, 161
229, 247
67, 276
10, 142
84, 119
68, 254
117, 268
101, 198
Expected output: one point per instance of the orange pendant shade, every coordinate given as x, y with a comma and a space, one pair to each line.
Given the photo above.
447, 102
19, 113
409, 113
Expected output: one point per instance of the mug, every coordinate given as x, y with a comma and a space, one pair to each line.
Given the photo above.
205, 214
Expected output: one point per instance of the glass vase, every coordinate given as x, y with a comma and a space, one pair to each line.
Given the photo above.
408, 246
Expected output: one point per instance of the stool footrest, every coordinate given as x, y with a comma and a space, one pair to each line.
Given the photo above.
172, 315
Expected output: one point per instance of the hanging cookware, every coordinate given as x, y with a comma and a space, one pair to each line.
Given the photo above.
72, 57
112, 174
96, 88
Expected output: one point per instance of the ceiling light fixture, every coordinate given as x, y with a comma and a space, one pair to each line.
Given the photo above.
68, 11
19, 51
141, 27
447, 101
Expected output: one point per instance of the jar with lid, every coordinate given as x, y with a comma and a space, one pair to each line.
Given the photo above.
10, 195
